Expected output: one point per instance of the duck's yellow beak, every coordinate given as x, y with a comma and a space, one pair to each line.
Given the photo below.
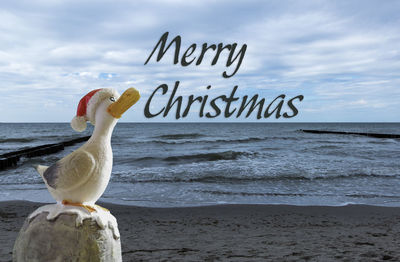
127, 99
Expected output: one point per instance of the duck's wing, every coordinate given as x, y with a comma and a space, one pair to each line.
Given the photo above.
41, 169
71, 171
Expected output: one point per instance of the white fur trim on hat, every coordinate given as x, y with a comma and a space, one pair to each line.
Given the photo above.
78, 123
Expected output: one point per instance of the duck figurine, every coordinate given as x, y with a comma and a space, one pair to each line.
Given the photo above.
80, 178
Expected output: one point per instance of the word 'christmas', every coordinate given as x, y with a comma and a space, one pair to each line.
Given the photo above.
231, 106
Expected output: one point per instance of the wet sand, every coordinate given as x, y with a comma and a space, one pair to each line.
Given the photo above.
240, 232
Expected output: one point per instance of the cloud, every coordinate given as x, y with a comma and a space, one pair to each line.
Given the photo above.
343, 56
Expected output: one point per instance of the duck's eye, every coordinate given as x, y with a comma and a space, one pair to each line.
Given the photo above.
112, 99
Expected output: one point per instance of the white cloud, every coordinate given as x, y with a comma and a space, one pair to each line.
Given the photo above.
339, 56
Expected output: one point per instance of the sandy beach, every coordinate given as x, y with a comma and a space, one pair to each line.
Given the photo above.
240, 232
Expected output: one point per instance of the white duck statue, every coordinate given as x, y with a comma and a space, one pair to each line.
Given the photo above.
80, 178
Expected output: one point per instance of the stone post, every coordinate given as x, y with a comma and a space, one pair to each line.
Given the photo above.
67, 233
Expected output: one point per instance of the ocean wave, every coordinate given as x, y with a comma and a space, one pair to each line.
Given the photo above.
17, 140
190, 138
330, 142
326, 147
215, 192
363, 175
239, 140
274, 194
327, 150
290, 138
227, 155
179, 136
213, 156
371, 196
384, 141
238, 179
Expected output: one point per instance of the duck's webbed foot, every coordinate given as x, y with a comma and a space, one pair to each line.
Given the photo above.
87, 207
105, 209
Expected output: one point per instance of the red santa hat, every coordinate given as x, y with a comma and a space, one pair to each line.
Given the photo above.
87, 107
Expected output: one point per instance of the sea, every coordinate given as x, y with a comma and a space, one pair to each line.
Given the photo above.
198, 164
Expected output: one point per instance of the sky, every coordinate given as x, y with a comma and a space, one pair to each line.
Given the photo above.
343, 57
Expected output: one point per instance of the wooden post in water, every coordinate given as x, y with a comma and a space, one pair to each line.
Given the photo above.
11, 159
376, 135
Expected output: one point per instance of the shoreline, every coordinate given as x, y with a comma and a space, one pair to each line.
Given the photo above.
240, 232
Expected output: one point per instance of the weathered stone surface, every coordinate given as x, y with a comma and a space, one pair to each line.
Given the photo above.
61, 239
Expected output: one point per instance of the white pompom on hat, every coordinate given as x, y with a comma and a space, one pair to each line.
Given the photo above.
87, 107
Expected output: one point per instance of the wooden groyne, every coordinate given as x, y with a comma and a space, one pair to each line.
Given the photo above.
377, 135
11, 159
